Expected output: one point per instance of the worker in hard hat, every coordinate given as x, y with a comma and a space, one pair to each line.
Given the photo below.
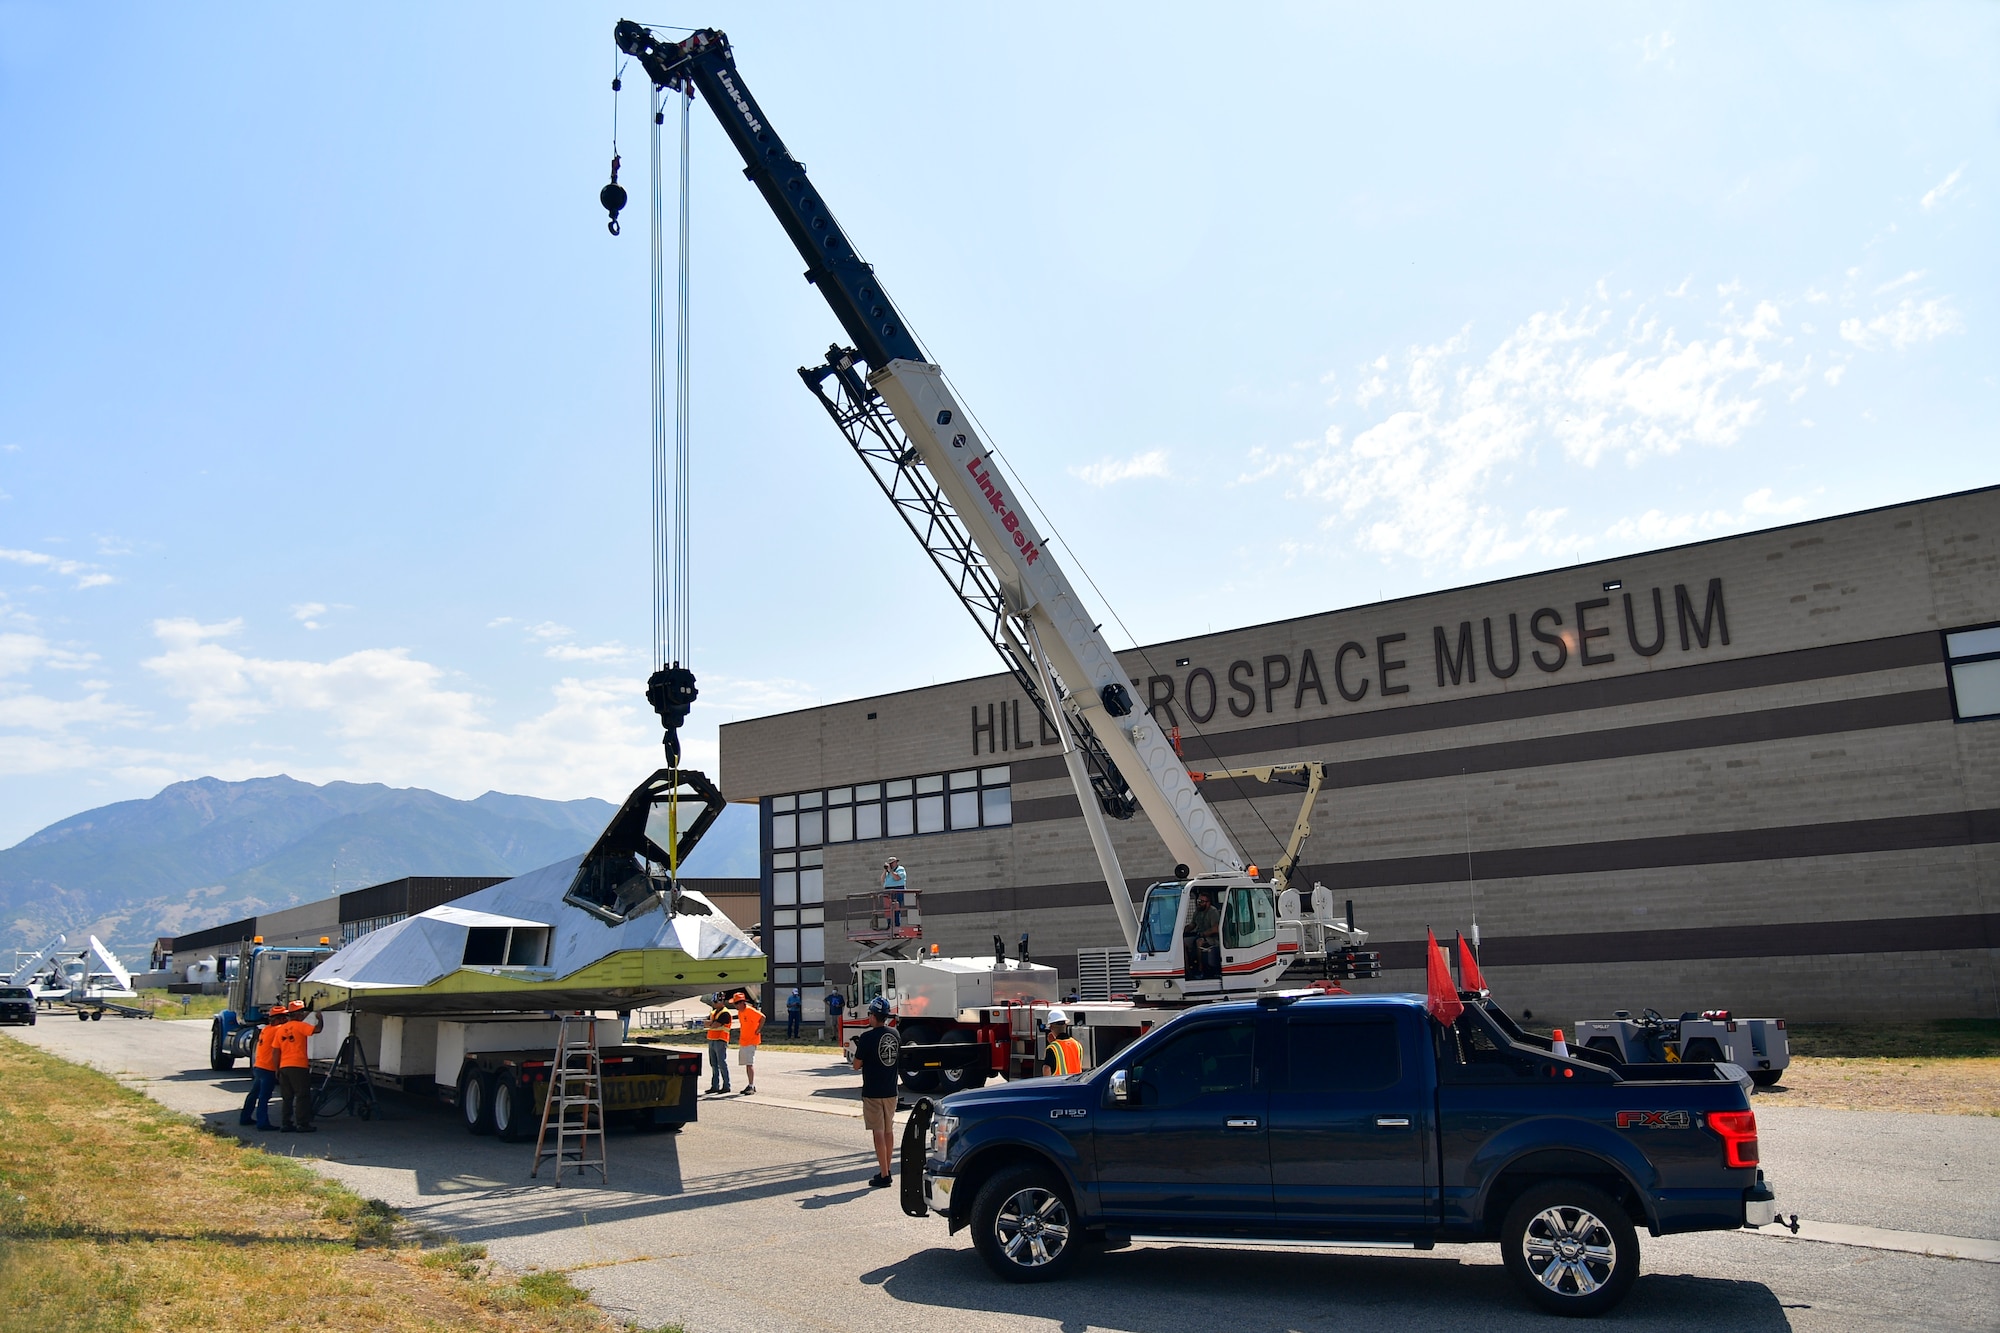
264, 1071
1064, 1053
718, 1044
295, 1068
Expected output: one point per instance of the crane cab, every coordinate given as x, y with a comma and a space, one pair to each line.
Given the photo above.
1208, 936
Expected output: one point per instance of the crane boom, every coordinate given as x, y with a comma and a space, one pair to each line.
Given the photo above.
1028, 606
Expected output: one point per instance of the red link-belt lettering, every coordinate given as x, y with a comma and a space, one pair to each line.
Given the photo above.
1008, 518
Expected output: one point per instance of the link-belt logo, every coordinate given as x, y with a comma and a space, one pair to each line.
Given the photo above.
1008, 518
742, 107
1652, 1120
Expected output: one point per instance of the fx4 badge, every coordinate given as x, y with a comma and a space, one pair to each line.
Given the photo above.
1062, 1112
1652, 1120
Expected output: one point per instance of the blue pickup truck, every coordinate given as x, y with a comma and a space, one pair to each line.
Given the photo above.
1356, 1120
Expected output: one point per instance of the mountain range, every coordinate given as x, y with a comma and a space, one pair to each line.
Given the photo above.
207, 851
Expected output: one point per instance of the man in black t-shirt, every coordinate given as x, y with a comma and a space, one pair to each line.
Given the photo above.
875, 1055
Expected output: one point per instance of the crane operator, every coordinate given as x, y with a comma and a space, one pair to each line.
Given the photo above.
1200, 946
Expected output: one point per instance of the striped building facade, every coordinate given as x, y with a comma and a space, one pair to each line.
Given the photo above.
1760, 773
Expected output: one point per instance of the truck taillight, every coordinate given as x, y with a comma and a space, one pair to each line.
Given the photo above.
1738, 1132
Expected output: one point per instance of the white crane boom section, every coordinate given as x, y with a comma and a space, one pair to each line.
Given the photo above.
1037, 590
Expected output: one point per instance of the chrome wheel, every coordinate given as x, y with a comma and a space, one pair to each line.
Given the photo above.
1032, 1227
1569, 1251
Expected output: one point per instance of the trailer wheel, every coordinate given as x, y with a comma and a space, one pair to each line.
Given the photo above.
957, 1080
99, 1014
475, 1100
218, 1057
510, 1109
1766, 1078
1023, 1225
1571, 1248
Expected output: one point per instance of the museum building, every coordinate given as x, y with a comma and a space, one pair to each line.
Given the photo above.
1759, 773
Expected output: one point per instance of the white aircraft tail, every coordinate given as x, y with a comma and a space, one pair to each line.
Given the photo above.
31, 969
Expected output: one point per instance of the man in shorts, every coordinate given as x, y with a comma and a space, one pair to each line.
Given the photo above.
875, 1053
749, 1036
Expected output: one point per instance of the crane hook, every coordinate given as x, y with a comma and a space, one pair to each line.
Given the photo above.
613, 196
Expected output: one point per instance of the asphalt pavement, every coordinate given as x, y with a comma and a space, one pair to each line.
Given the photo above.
759, 1218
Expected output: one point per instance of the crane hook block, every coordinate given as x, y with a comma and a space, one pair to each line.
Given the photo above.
613, 198
671, 691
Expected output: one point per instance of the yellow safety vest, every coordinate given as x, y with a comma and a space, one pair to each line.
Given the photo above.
1068, 1053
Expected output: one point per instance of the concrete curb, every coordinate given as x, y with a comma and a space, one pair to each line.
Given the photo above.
1878, 1238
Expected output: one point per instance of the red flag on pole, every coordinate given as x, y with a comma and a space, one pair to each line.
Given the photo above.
1444, 1004
1469, 975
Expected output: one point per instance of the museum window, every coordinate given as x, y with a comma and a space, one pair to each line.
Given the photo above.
1972, 660
969, 798
805, 824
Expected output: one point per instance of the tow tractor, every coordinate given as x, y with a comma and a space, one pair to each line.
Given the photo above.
1760, 1046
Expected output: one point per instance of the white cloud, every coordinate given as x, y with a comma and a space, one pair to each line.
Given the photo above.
1457, 423
603, 652
306, 613
393, 718
548, 629
1653, 48
22, 653
1658, 528
498, 621
86, 575
1903, 281
1938, 193
384, 715
1593, 386
1762, 504
1152, 463
1910, 323
1833, 374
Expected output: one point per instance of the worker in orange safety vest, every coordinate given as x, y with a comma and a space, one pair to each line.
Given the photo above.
295, 1069
718, 1044
1064, 1054
264, 1071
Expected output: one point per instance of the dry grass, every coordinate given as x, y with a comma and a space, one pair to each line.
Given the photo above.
1949, 1086
118, 1215
1944, 1038
163, 1005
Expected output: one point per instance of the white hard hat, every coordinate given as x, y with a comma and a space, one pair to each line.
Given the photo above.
1058, 1016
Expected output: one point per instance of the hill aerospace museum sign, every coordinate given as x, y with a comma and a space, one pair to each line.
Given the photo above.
1575, 637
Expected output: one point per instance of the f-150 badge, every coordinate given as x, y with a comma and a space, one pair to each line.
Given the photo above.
1652, 1120
1062, 1111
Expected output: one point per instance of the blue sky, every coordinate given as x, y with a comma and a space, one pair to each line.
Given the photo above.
323, 433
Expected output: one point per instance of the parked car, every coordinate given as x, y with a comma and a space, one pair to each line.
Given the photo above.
17, 1005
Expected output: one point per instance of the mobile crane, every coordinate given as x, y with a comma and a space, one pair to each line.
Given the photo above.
898, 412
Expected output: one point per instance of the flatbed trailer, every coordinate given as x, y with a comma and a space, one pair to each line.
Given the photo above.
90, 1011
495, 1069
